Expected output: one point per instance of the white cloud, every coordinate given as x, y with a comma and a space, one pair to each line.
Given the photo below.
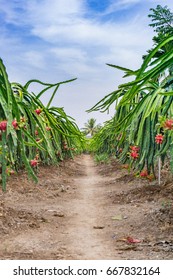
120, 5
65, 41
34, 59
69, 53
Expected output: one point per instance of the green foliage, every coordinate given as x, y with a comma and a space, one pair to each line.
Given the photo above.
35, 133
101, 158
139, 104
142, 105
162, 20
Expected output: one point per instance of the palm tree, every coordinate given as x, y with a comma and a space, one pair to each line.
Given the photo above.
91, 127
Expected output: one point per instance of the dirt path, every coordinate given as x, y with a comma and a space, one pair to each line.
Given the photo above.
82, 211
87, 233
68, 224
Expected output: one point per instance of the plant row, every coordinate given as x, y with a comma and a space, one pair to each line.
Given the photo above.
141, 131
30, 132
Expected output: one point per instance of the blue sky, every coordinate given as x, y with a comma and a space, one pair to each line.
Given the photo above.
56, 40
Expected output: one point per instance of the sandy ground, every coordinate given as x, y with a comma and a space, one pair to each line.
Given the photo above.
82, 211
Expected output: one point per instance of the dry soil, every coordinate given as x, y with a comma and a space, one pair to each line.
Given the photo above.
83, 211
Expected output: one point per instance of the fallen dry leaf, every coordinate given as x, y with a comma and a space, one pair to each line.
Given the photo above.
117, 217
132, 240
